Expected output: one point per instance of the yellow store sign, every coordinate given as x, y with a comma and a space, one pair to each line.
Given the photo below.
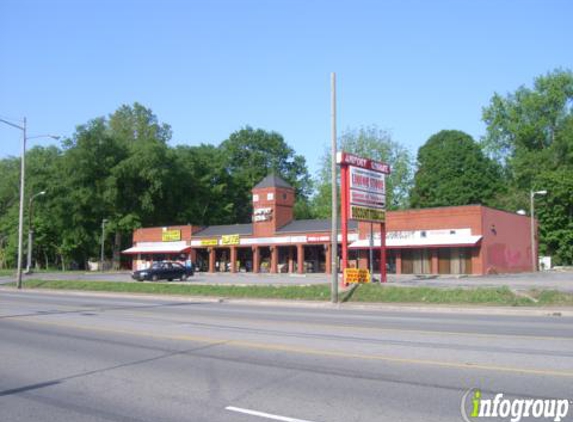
356, 275
209, 242
367, 214
171, 235
230, 239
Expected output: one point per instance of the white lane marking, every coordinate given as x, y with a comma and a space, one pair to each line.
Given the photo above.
264, 415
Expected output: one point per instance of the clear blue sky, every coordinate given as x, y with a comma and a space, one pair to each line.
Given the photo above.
209, 68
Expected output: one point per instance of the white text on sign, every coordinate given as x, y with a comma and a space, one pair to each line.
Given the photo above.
367, 180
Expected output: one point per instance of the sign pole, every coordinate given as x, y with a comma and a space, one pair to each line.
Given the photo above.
344, 214
383, 275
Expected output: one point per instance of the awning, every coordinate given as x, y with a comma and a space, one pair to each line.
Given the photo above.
436, 241
157, 248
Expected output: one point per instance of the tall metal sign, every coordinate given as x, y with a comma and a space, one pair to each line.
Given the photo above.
363, 198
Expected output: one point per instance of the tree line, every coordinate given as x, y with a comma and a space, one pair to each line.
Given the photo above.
122, 168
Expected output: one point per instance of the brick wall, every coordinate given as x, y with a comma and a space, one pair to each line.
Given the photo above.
153, 234
282, 204
507, 242
429, 219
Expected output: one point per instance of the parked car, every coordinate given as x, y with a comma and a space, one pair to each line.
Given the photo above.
165, 270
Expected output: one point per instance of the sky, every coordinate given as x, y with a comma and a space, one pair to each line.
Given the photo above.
210, 68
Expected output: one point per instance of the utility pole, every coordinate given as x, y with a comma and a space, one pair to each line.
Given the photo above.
21, 215
334, 231
102, 257
22, 188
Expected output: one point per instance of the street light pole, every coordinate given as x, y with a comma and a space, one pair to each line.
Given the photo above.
31, 231
22, 187
102, 243
532, 214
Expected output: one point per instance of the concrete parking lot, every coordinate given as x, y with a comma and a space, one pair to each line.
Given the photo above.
552, 280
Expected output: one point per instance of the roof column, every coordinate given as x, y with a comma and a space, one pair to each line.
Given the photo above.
212, 260
290, 260
256, 259
328, 258
274, 259
300, 258
233, 259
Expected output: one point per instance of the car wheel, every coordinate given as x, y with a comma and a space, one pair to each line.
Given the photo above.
169, 279
154, 277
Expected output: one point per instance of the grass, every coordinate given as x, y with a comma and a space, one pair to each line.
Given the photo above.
314, 292
376, 293
501, 296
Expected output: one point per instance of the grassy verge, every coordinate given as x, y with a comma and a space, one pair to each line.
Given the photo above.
315, 292
501, 296
480, 296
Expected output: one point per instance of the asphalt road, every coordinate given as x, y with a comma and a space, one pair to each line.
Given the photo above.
91, 358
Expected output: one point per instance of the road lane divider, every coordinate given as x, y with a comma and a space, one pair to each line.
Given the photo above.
264, 415
300, 349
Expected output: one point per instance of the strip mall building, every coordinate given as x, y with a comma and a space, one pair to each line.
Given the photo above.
469, 239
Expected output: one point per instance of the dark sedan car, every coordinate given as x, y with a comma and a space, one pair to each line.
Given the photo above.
163, 271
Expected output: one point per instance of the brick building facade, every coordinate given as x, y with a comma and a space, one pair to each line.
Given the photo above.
469, 239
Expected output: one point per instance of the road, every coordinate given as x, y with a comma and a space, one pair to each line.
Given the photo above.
91, 358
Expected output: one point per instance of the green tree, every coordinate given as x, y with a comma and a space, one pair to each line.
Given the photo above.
250, 155
555, 214
202, 185
531, 132
374, 143
523, 127
9, 201
453, 170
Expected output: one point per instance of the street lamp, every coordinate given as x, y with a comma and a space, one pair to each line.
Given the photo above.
22, 187
533, 246
31, 231
102, 242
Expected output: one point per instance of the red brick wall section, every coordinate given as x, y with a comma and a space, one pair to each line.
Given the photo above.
282, 205
429, 219
506, 246
153, 234
463, 217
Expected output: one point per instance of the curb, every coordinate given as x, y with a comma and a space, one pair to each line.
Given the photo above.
286, 303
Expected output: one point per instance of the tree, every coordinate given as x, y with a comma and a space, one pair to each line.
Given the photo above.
374, 143
9, 200
202, 185
250, 155
531, 132
453, 170
523, 127
555, 214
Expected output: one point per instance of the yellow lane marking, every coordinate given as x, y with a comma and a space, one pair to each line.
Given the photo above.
128, 311
339, 327
306, 350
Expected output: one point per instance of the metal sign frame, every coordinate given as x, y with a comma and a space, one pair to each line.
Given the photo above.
346, 161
